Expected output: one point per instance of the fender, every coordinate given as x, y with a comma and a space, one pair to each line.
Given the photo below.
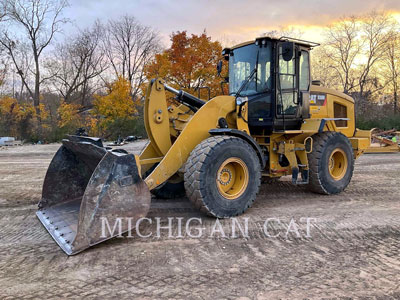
244, 136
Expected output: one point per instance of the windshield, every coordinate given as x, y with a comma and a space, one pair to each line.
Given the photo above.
242, 62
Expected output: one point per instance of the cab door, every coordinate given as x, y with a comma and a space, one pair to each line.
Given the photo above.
292, 87
287, 85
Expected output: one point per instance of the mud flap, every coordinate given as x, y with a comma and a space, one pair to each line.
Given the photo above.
87, 190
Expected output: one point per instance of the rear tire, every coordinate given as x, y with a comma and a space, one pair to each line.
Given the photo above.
222, 176
331, 163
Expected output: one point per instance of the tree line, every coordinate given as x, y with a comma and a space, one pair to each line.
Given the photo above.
52, 81
360, 56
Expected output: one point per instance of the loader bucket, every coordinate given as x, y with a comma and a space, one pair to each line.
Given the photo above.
87, 190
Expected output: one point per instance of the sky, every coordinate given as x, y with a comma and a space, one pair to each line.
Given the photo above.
230, 21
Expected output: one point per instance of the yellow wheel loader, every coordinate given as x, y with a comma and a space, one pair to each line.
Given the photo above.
274, 122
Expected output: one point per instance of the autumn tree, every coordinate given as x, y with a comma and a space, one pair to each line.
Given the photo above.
189, 64
9, 111
69, 117
116, 111
20, 120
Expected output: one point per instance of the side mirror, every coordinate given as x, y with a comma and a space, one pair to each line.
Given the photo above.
287, 51
219, 67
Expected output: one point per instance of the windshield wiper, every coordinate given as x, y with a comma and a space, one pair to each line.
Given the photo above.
246, 82
249, 78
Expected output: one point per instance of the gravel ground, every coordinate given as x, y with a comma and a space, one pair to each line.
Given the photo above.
350, 252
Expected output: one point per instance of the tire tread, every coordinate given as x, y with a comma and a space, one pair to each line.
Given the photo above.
194, 168
314, 158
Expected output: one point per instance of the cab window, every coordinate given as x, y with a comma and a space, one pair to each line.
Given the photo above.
287, 86
304, 76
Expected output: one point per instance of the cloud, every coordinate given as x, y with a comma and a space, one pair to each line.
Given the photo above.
232, 19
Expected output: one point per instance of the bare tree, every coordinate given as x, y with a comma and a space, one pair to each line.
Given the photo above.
342, 48
25, 64
39, 20
129, 46
354, 46
322, 68
77, 62
288, 31
391, 66
4, 60
377, 31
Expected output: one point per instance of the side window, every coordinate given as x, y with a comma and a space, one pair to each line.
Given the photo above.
340, 111
304, 76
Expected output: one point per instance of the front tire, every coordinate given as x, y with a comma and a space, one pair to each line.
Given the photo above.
171, 189
222, 176
331, 163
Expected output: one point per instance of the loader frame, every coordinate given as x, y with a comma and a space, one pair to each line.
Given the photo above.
174, 131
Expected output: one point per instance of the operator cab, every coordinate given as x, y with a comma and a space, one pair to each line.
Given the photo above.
273, 76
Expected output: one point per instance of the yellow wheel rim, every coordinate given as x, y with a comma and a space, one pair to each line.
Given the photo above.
232, 178
338, 164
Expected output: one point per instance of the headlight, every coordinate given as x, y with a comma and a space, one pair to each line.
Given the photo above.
240, 100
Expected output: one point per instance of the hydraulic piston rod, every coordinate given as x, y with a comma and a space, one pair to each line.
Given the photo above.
184, 97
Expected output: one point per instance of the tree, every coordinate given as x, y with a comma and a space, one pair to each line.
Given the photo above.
377, 31
20, 120
9, 111
322, 69
190, 63
39, 20
116, 111
391, 66
342, 48
354, 47
68, 116
78, 61
129, 46
288, 31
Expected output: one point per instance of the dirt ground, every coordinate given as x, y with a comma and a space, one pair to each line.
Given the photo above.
351, 251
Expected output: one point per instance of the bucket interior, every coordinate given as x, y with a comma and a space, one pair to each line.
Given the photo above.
61, 220
65, 183
85, 185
